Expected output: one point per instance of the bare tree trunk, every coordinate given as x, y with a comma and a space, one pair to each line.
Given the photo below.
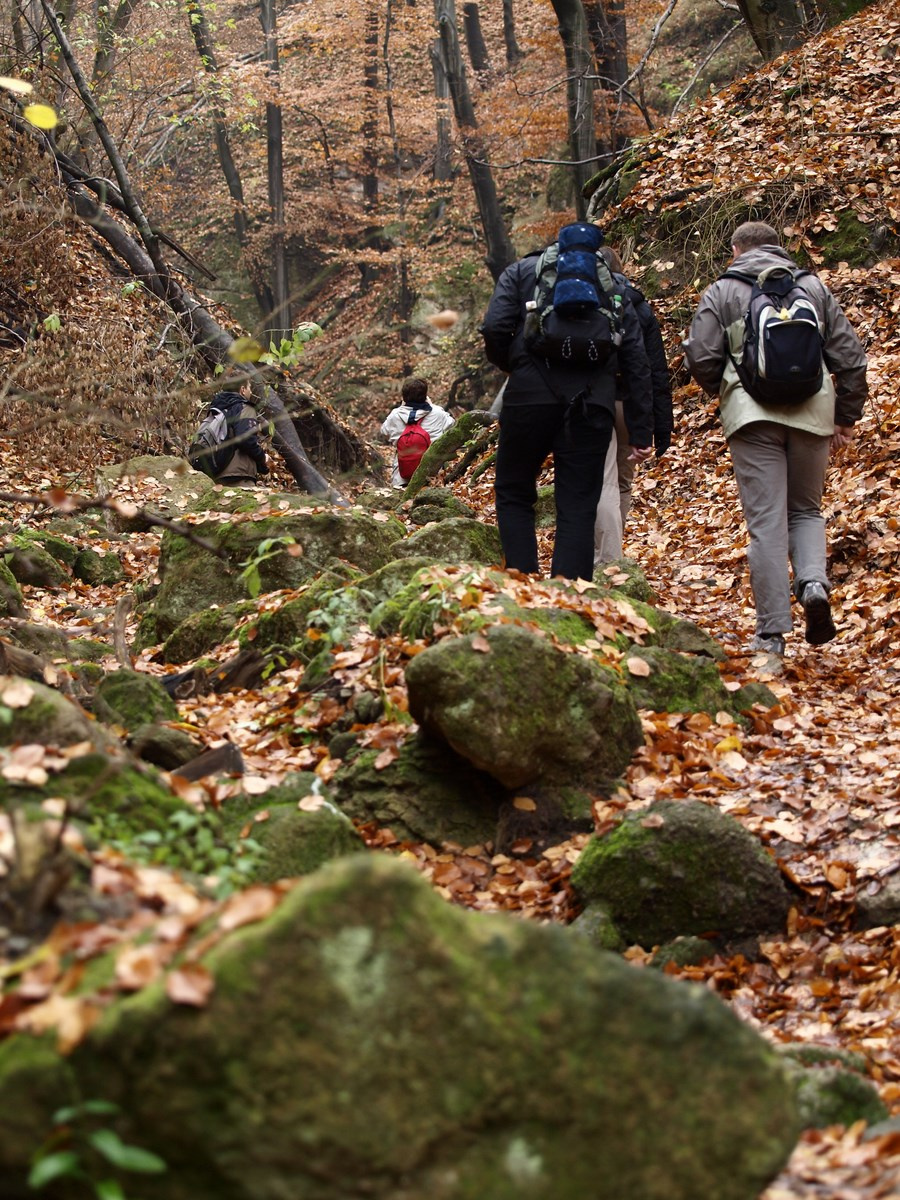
206, 51
612, 67
370, 115
478, 55
513, 52
775, 25
281, 318
579, 94
500, 251
442, 154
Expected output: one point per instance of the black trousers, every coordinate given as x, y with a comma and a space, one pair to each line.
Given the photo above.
578, 442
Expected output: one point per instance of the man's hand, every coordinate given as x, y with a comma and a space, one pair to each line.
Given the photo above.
263, 468
639, 453
662, 440
843, 435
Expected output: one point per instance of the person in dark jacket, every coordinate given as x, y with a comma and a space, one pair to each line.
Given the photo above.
249, 460
560, 410
779, 454
615, 499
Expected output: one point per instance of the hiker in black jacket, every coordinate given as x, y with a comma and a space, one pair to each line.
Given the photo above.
249, 458
563, 410
615, 499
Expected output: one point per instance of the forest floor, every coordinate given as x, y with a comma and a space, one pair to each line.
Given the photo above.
817, 778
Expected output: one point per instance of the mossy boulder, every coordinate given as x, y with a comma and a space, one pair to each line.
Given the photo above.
57, 547
439, 498
130, 699
521, 709
168, 482
456, 540
831, 1086
286, 551
97, 569
596, 925
294, 840
368, 1038
427, 794
34, 566
202, 631
33, 712
680, 868
11, 602
881, 907
625, 576
677, 682
163, 746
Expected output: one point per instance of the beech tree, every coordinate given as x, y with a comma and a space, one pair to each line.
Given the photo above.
579, 94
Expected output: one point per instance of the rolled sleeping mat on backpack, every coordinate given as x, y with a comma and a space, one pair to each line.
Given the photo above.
581, 236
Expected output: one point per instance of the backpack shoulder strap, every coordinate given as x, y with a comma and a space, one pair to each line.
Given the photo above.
545, 275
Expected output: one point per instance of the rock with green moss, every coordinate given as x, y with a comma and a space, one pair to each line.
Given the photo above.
163, 746
97, 569
830, 1090
468, 427
367, 1038
58, 547
625, 576
683, 952
34, 566
202, 631
11, 601
284, 551
456, 540
388, 581
332, 609
597, 926
293, 840
751, 694
33, 712
433, 498
168, 482
427, 794
130, 699
521, 709
678, 682
680, 868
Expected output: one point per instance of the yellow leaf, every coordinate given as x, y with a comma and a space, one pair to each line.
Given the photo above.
245, 349
524, 804
728, 743
41, 115
637, 666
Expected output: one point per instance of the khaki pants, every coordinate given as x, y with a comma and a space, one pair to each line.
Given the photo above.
780, 474
615, 499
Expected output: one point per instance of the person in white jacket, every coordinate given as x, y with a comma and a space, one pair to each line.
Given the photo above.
416, 406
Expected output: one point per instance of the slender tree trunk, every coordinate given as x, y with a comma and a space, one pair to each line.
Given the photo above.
281, 318
775, 25
500, 250
478, 54
513, 52
579, 94
370, 114
443, 153
611, 65
618, 27
206, 51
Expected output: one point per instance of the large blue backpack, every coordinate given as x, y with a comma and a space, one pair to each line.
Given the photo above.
575, 317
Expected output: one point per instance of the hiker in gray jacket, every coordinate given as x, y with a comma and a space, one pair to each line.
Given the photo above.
779, 453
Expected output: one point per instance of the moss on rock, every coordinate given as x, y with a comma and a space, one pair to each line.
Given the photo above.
130, 699
682, 868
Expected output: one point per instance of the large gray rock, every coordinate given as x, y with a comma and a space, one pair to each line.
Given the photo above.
681, 867
367, 1039
33, 712
455, 540
521, 709
168, 485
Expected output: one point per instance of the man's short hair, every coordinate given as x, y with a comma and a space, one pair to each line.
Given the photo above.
754, 233
414, 391
612, 260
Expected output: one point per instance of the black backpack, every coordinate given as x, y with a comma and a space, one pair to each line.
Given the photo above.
212, 448
575, 318
781, 356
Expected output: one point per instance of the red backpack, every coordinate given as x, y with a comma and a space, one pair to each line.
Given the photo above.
411, 445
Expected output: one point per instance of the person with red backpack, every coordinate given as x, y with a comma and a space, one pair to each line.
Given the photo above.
411, 428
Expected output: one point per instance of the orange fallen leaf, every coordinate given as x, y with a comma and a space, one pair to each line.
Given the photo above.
637, 666
190, 984
247, 907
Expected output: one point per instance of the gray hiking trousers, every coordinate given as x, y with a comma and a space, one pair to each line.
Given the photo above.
780, 473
